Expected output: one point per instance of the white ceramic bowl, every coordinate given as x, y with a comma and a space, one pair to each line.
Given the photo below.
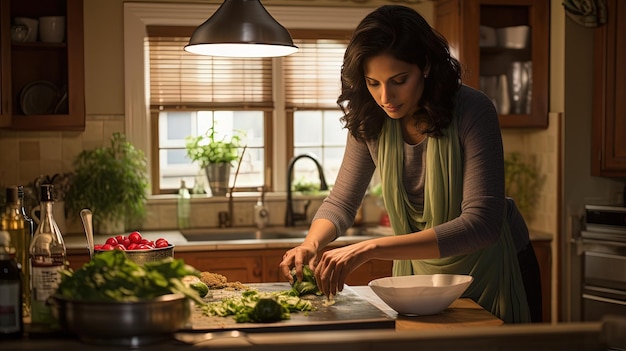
420, 294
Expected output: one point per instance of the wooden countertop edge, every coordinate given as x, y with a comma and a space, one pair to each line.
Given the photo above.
566, 336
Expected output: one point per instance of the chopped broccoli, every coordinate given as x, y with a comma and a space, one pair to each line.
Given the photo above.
308, 285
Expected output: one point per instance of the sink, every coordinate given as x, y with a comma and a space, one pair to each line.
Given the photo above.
222, 234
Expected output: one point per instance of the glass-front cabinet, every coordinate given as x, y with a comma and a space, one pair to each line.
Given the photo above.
503, 46
42, 65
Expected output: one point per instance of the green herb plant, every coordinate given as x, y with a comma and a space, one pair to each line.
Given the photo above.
305, 186
111, 181
209, 149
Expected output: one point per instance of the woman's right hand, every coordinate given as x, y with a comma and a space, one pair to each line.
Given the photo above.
298, 257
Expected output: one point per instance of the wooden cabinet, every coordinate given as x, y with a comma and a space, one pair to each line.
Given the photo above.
261, 266
42, 83
608, 156
245, 266
485, 36
253, 266
543, 251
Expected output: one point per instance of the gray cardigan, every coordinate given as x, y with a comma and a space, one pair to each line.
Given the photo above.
480, 222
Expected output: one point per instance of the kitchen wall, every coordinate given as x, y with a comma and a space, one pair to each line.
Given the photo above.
562, 150
53, 152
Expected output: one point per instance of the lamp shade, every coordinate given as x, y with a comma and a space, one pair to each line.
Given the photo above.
241, 28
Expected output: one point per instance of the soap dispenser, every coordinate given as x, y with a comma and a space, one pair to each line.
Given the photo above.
261, 214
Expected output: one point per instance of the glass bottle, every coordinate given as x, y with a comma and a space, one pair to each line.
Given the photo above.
20, 229
30, 223
184, 198
11, 320
47, 259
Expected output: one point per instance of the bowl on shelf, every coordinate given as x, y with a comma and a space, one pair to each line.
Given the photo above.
416, 295
516, 37
128, 324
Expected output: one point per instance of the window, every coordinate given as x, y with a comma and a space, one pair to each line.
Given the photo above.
142, 123
312, 85
188, 93
191, 93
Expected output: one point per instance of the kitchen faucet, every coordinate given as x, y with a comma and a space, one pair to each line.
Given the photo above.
226, 218
290, 216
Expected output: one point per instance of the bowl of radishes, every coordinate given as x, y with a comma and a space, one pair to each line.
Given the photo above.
137, 248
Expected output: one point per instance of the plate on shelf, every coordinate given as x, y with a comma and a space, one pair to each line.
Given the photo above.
39, 98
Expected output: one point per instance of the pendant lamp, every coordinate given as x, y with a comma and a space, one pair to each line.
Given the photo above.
241, 28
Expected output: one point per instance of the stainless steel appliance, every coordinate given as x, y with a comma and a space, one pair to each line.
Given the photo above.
602, 246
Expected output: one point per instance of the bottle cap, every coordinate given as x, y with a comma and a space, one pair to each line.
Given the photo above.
46, 192
12, 195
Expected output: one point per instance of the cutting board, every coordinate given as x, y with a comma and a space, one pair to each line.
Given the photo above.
350, 311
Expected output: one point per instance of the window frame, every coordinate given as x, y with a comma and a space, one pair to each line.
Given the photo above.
138, 16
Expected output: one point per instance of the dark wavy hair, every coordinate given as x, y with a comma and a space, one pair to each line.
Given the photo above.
403, 33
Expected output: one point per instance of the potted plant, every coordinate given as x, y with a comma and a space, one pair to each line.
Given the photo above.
112, 182
216, 156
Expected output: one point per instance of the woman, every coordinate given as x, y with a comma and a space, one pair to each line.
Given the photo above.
438, 149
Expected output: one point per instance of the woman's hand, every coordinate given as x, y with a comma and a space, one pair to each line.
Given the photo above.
321, 232
305, 254
335, 265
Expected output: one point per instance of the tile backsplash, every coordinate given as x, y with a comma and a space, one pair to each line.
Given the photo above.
27, 155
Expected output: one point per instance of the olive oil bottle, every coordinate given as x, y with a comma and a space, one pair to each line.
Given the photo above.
47, 259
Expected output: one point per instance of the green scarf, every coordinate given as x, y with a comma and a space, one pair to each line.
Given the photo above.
497, 285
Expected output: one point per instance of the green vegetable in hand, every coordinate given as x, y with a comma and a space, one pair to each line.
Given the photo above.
112, 276
308, 285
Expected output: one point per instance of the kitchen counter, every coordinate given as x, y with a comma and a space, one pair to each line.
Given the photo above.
461, 313
77, 243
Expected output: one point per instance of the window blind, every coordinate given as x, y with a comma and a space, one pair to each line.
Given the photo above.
312, 75
179, 79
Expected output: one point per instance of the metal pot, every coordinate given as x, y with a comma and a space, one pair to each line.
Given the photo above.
142, 256
123, 323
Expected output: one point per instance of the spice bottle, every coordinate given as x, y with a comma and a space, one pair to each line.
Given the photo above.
11, 320
47, 259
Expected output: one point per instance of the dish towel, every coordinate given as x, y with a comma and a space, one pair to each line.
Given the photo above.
497, 284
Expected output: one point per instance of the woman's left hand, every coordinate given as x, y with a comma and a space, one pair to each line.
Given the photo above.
335, 265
